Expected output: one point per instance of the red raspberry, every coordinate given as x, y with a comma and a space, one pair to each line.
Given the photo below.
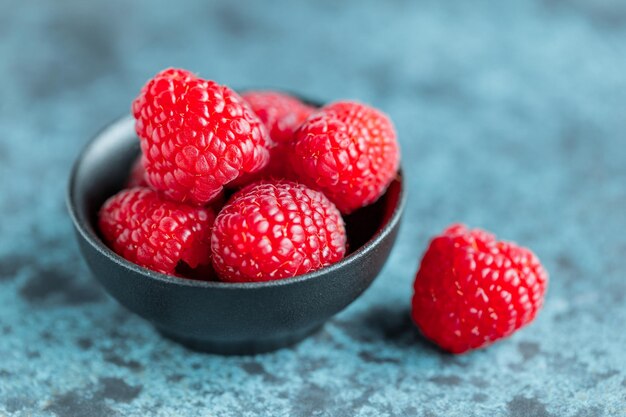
196, 136
282, 115
274, 230
156, 233
472, 290
137, 176
348, 151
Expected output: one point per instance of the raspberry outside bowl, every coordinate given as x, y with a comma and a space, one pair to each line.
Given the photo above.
220, 317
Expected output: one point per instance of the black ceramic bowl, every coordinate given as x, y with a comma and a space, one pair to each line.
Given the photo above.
227, 318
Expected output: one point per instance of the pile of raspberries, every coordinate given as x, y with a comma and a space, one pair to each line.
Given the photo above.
253, 187
294, 170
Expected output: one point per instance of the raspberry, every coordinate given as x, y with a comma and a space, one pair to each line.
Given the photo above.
156, 233
349, 152
137, 176
279, 112
196, 136
282, 115
274, 230
472, 290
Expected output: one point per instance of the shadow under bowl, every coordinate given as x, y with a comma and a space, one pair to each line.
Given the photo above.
219, 317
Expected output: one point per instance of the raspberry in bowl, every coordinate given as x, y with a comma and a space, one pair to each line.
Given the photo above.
230, 312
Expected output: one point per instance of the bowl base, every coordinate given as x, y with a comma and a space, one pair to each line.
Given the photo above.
241, 347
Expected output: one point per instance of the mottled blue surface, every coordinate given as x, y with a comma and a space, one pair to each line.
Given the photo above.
511, 116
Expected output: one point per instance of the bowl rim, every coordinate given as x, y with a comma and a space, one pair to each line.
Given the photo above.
87, 232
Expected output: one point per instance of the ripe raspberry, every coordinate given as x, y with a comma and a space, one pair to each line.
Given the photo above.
137, 176
196, 136
472, 290
348, 151
282, 115
156, 233
274, 230
279, 112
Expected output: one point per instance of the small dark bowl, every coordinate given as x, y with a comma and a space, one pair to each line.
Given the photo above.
226, 318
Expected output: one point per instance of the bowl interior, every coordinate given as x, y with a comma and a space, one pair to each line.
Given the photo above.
104, 165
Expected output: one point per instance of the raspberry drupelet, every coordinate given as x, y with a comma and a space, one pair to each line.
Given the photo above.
276, 229
196, 136
472, 289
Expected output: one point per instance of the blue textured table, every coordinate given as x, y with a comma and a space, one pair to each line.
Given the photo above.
511, 116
